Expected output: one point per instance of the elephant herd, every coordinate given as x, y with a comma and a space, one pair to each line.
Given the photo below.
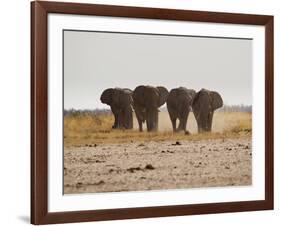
146, 101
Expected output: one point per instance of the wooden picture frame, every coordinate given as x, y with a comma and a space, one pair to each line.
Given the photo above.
39, 109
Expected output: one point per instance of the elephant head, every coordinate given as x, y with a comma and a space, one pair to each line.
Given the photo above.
179, 105
120, 101
204, 104
146, 101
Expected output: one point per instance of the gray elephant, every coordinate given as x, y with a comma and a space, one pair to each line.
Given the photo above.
147, 100
120, 102
204, 104
179, 104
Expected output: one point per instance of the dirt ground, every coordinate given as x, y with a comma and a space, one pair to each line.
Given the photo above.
157, 165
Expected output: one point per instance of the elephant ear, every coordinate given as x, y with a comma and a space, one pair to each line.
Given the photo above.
163, 95
106, 96
217, 101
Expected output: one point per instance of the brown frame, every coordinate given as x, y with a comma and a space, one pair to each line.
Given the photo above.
39, 107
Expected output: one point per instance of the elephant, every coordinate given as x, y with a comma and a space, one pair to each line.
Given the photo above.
204, 104
120, 101
179, 104
146, 101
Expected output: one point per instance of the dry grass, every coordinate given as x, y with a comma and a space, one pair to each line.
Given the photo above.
81, 130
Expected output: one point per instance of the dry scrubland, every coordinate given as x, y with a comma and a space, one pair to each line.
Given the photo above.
99, 159
80, 130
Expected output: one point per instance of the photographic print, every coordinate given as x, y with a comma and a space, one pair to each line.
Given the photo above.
143, 112
155, 112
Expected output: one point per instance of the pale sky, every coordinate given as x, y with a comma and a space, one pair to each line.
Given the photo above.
94, 61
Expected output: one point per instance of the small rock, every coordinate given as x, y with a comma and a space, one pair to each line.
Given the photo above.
100, 182
141, 145
79, 184
133, 169
149, 167
177, 143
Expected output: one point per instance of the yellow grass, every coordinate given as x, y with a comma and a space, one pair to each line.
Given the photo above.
88, 129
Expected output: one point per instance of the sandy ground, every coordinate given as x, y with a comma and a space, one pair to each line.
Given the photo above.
157, 165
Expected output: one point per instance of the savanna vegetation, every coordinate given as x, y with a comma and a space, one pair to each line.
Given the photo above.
89, 128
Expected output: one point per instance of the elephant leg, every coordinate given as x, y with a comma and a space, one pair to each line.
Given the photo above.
139, 122
116, 119
140, 125
202, 127
184, 122
115, 124
151, 120
119, 120
148, 120
180, 126
148, 124
174, 124
183, 114
155, 124
202, 122
173, 118
128, 119
206, 121
199, 127
210, 121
